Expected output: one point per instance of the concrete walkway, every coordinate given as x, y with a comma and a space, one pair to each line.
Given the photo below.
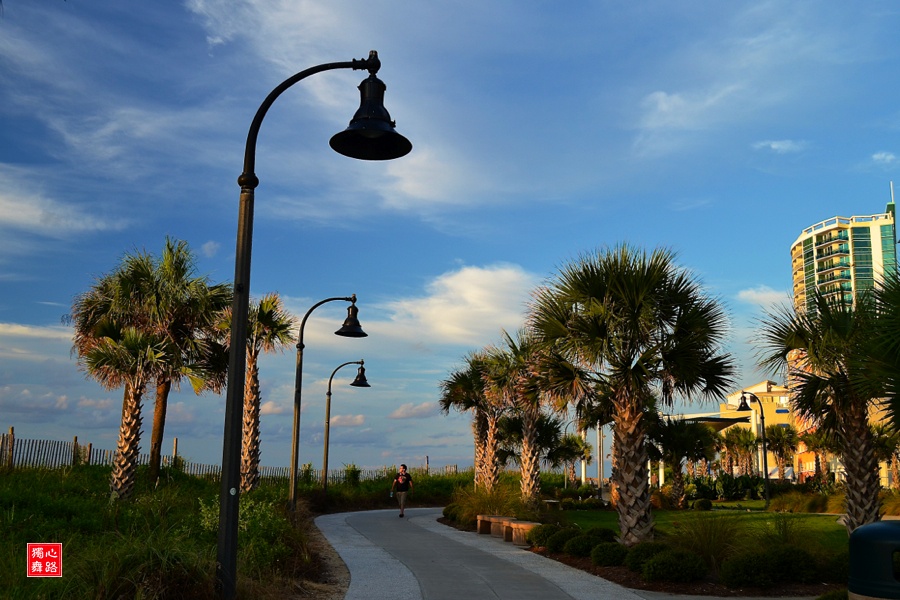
417, 558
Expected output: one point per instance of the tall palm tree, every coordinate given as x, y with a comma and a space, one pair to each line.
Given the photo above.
269, 329
675, 441
646, 329
129, 358
830, 356
509, 373
782, 442
464, 391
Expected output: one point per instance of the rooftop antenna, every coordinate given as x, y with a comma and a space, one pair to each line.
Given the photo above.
892, 192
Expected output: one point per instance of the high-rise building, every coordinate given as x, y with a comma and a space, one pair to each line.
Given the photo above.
843, 256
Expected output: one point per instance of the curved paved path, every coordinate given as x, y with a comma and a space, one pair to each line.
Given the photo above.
417, 558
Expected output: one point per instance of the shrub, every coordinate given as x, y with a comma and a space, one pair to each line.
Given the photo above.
792, 563
567, 503
834, 595
712, 537
608, 554
539, 535
580, 545
603, 534
748, 568
557, 541
674, 565
641, 553
835, 568
703, 504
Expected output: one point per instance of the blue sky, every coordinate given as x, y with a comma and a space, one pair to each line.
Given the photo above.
540, 131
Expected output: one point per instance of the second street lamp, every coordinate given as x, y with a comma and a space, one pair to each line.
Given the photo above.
370, 136
762, 419
350, 328
360, 381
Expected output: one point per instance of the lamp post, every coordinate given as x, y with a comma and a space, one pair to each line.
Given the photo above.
360, 381
369, 136
743, 407
350, 328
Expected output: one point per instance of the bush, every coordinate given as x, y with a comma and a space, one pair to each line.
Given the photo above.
641, 553
567, 503
603, 534
539, 535
703, 504
748, 568
557, 541
608, 554
580, 545
674, 565
834, 595
712, 537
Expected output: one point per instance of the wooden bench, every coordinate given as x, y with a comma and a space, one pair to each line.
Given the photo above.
519, 529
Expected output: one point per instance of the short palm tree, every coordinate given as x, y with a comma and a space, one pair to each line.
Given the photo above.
675, 441
509, 373
820, 443
830, 355
782, 442
129, 358
464, 391
645, 329
269, 329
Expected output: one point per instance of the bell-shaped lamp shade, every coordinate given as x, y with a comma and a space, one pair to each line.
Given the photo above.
360, 380
743, 407
371, 134
351, 326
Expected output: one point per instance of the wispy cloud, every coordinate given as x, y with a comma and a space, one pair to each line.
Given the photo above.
763, 296
781, 146
348, 420
884, 158
415, 411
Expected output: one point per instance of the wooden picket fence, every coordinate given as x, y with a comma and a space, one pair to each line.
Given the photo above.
54, 454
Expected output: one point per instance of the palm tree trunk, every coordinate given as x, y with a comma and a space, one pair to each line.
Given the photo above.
632, 478
128, 446
491, 470
531, 472
163, 386
861, 466
781, 468
895, 471
479, 434
677, 486
250, 436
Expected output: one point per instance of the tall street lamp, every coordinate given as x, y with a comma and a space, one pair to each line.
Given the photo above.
350, 328
359, 381
743, 407
370, 136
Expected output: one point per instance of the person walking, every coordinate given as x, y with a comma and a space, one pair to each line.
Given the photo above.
402, 485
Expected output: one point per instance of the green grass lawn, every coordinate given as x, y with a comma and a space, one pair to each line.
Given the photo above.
823, 531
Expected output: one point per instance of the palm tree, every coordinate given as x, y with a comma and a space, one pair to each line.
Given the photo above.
674, 441
782, 442
464, 390
646, 329
820, 443
830, 355
269, 329
130, 358
509, 373
163, 297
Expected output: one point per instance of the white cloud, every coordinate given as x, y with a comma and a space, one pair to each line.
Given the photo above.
210, 249
884, 158
781, 146
56, 333
271, 408
347, 420
764, 296
468, 306
415, 411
